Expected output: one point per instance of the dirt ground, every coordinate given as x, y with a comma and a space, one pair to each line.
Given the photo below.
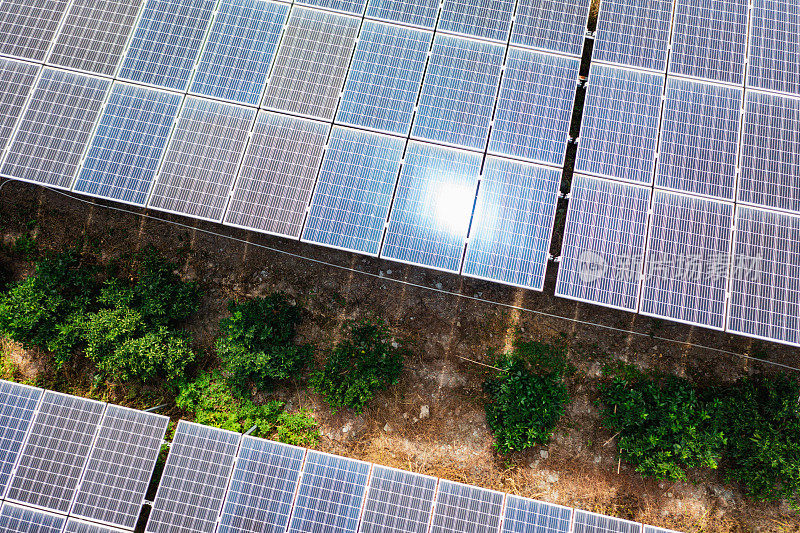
450, 323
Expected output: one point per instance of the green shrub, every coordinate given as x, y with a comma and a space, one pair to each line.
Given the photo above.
24, 246
257, 342
297, 429
526, 399
108, 329
359, 366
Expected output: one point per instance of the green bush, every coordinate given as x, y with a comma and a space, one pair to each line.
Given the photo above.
257, 342
25, 246
359, 366
526, 399
297, 429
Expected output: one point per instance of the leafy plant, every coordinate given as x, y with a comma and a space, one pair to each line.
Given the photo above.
24, 246
364, 362
297, 429
527, 398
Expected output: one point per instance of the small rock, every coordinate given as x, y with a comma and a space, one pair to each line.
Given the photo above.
387, 428
552, 478
405, 415
544, 454
597, 459
669, 495
424, 412
439, 286
414, 420
347, 427
388, 270
380, 273
395, 345
534, 465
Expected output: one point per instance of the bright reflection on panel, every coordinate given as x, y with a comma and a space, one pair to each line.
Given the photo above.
451, 200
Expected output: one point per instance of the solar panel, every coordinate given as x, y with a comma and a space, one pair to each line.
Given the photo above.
94, 35
120, 466
603, 245
166, 42
419, 13
458, 94
354, 190
586, 522
54, 132
56, 452
510, 235
774, 56
312, 63
79, 526
534, 108
530, 516
397, 502
195, 478
765, 276
16, 81
277, 174
686, 270
262, 489
28, 28
15, 519
126, 148
552, 25
17, 407
203, 156
353, 7
487, 19
709, 40
465, 508
699, 138
619, 133
432, 206
633, 33
770, 144
239, 51
330, 494
651, 529
385, 77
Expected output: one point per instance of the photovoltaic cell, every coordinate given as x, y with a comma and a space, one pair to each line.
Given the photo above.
262, 489
709, 40
586, 522
166, 42
385, 77
397, 502
432, 206
770, 144
633, 33
26, 28
312, 63
353, 7
603, 246
458, 94
465, 508
79, 526
530, 516
420, 13
94, 35
686, 272
55, 129
699, 138
16, 81
56, 452
651, 529
765, 276
120, 466
620, 124
330, 494
774, 58
201, 161
552, 25
15, 519
238, 55
534, 108
192, 488
509, 238
127, 146
17, 406
488, 19
277, 174
354, 190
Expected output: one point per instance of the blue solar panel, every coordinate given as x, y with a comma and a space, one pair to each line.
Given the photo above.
330, 494
699, 138
127, 146
634, 33
534, 108
80, 526
552, 25
385, 76
586, 522
238, 54
432, 207
17, 405
397, 502
774, 57
465, 508
353, 7
16, 519
488, 19
354, 190
619, 133
529, 516
262, 488
16, 82
166, 42
27, 27
509, 239
458, 94
420, 13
